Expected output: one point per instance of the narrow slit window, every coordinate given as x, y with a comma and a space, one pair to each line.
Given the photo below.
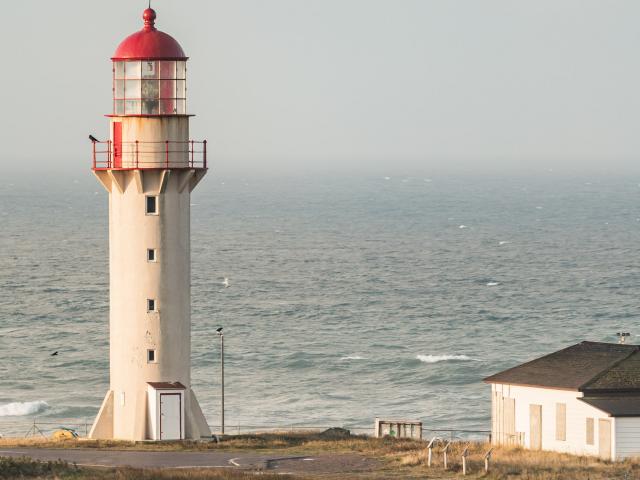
151, 255
151, 305
151, 356
152, 205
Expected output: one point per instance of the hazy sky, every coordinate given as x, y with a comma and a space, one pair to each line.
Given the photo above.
360, 85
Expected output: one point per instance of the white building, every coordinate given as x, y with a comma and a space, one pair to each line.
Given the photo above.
583, 400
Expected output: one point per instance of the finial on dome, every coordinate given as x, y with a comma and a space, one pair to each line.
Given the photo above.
149, 17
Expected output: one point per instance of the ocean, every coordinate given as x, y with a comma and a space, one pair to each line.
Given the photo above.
349, 297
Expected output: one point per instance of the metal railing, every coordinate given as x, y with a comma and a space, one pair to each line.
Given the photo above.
108, 155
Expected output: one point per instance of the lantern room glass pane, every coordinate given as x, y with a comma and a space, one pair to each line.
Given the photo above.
132, 107
119, 89
119, 107
168, 69
132, 69
150, 89
181, 70
167, 88
167, 106
150, 107
150, 69
181, 107
132, 88
181, 89
119, 69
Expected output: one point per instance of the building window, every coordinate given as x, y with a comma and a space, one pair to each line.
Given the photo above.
151, 255
149, 87
151, 207
561, 422
151, 356
590, 431
151, 305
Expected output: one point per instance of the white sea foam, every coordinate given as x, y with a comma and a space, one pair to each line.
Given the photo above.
503, 242
443, 358
492, 284
462, 226
19, 409
353, 357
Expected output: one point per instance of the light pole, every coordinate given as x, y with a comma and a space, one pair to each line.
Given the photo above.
221, 335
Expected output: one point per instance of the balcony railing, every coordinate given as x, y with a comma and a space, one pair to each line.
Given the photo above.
108, 155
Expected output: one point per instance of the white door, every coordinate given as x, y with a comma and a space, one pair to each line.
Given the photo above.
170, 416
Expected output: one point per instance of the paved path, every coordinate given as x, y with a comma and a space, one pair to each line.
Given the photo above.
326, 463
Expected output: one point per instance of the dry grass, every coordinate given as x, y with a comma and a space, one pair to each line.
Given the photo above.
404, 459
26, 468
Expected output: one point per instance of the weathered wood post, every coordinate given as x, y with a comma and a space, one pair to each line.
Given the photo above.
445, 450
432, 443
465, 453
487, 457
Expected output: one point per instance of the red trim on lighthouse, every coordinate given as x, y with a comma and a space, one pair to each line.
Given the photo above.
149, 43
117, 144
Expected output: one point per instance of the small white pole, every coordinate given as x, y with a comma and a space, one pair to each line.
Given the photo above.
445, 451
432, 443
487, 457
464, 460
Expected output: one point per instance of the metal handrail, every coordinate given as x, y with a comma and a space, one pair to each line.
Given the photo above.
149, 155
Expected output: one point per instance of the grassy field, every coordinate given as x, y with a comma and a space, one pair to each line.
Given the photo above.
399, 459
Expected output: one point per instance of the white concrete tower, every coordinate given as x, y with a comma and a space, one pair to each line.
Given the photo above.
149, 167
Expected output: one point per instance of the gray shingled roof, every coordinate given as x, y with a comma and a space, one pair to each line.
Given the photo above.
587, 366
622, 406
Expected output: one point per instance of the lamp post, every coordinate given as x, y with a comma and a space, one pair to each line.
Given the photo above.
221, 335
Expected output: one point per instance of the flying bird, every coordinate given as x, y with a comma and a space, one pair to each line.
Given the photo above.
225, 283
54, 353
93, 139
219, 330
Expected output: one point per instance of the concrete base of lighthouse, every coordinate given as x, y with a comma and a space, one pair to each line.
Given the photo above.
149, 345
144, 425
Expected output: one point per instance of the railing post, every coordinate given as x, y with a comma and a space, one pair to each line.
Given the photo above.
137, 152
204, 154
192, 151
109, 154
94, 155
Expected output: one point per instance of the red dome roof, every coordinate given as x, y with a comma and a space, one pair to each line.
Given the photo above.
149, 43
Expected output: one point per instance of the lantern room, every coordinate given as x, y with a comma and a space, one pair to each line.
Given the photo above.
149, 119
149, 73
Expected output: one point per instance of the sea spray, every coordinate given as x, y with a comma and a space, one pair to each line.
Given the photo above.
20, 409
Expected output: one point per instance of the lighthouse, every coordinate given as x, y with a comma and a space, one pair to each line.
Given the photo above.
149, 166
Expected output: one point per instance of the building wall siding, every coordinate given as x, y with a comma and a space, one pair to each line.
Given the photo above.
627, 437
576, 414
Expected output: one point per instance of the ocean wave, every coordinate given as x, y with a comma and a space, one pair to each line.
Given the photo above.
443, 358
19, 409
353, 357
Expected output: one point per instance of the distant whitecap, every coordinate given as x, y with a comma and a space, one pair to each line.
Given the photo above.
503, 242
443, 358
20, 409
353, 357
462, 226
387, 178
492, 284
